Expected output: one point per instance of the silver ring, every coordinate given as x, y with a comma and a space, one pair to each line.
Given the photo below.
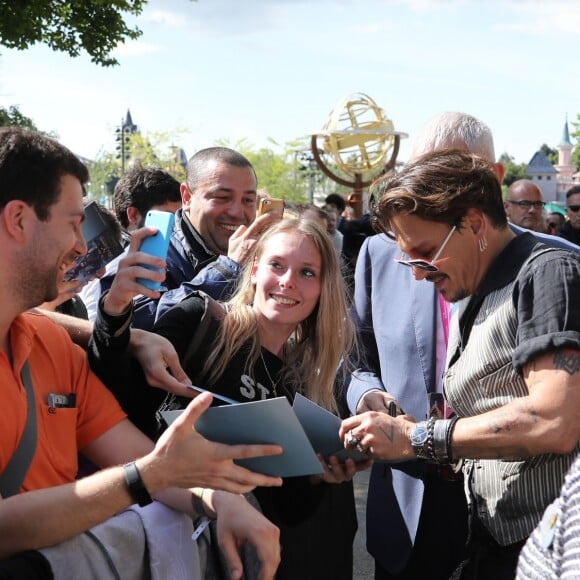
352, 440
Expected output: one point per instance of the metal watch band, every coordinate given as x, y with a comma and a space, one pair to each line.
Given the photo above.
420, 437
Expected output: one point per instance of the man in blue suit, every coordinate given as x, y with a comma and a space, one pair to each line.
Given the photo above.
416, 515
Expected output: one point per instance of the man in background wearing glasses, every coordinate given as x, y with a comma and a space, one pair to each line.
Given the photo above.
524, 205
571, 229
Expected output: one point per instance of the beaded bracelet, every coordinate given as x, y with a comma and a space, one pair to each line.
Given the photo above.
431, 439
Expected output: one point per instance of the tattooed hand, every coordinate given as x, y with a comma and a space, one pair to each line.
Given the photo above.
379, 435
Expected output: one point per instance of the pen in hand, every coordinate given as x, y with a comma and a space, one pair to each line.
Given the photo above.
392, 409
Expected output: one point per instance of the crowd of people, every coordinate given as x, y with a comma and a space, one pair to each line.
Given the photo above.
442, 326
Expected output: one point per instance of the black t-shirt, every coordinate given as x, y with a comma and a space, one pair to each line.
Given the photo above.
317, 522
238, 382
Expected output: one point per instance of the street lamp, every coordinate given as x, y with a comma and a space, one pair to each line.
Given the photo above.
307, 165
122, 139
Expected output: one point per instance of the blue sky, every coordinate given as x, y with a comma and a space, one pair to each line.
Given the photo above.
259, 69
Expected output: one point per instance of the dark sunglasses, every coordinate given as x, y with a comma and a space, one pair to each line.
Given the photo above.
574, 208
424, 264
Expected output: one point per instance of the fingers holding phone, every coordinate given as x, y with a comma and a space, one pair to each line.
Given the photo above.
242, 241
142, 270
157, 244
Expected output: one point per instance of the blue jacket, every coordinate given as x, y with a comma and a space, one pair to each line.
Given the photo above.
191, 265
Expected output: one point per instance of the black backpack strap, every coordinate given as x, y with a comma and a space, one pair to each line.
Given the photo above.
14, 473
213, 311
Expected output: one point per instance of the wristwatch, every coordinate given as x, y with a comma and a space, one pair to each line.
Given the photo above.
420, 440
135, 485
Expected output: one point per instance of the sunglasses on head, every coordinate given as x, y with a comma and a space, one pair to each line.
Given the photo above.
425, 265
574, 208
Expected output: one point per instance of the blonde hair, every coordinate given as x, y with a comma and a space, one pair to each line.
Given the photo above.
314, 351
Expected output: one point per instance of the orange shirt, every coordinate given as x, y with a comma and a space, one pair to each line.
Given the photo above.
60, 367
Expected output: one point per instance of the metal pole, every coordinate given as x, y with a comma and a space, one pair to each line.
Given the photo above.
122, 147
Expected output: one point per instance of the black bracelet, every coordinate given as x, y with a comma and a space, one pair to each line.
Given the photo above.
135, 485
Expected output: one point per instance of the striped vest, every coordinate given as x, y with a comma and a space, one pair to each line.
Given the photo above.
509, 496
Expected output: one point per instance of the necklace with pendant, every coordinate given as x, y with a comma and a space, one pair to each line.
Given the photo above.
272, 382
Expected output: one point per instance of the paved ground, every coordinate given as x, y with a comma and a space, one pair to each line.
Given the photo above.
363, 563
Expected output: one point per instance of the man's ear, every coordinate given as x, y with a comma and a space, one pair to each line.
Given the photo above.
185, 196
16, 216
499, 170
476, 221
506, 206
134, 217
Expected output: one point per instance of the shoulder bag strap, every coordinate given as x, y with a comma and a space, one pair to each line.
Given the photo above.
13, 475
213, 311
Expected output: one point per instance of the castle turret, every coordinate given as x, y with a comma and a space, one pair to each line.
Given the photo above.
564, 168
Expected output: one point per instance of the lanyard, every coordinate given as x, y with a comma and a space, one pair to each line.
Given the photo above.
444, 308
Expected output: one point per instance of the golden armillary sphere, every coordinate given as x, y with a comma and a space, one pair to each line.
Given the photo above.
360, 140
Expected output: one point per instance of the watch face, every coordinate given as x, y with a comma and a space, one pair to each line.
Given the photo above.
419, 434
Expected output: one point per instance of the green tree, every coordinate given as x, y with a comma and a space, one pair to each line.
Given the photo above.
576, 135
575, 158
95, 26
551, 154
275, 168
513, 170
104, 172
13, 117
156, 149
153, 149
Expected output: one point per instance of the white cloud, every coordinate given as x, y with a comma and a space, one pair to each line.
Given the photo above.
166, 18
543, 18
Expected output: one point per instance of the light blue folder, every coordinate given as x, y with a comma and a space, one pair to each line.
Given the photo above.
269, 421
321, 428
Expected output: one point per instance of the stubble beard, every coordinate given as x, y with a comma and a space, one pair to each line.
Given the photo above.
38, 281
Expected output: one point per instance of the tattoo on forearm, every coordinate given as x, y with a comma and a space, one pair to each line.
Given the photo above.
567, 360
514, 420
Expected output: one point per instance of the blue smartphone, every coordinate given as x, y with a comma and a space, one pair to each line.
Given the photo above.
158, 244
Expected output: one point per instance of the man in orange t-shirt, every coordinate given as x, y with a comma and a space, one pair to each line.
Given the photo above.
41, 210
